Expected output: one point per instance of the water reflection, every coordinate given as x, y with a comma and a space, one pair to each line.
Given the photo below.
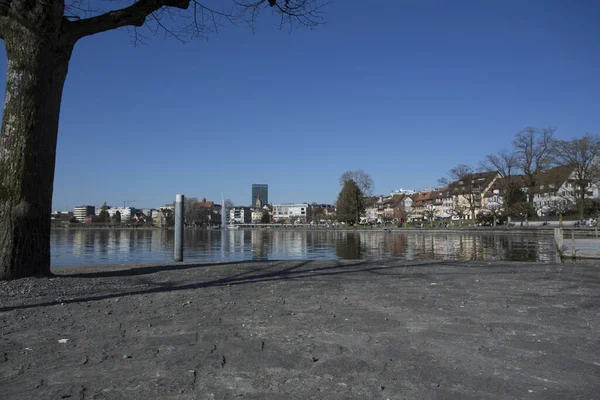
90, 246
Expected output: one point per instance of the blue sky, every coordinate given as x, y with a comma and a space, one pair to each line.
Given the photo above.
405, 91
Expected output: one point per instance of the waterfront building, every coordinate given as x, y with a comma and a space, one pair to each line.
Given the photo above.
82, 212
240, 215
61, 215
126, 213
300, 212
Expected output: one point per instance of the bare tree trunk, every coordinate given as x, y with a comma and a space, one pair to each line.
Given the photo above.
37, 67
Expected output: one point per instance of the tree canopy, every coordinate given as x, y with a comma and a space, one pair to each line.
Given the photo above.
583, 154
362, 180
533, 149
350, 203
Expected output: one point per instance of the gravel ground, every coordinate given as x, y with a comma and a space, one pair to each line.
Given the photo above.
304, 330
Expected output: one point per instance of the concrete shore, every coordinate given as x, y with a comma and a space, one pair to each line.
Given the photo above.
384, 329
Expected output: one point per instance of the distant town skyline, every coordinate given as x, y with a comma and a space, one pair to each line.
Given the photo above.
404, 91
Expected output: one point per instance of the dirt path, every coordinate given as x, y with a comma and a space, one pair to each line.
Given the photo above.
302, 330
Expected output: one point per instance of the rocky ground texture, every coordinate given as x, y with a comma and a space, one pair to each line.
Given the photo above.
304, 330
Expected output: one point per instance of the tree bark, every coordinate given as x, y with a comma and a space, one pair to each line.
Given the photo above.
37, 66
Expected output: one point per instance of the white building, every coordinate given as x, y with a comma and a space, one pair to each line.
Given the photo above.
126, 213
371, 214
82, 212
408, 192
299, 212
240, 215
61, 215
148, 211
556, 190
257, 214
447, 206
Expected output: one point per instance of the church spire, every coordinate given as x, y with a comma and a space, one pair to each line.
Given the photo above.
258, 202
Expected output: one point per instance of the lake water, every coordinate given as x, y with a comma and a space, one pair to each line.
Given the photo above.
118, 246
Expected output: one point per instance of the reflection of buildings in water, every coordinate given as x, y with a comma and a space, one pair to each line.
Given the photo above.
490, 248
122, 242
374, 243
201, 243
61, 242
529, 248
113, 238
437, 247
302, 244
83, 241
464, 248
394, 245
235, 239
289, 243
451, 246
146, 240
158, 241
320, 243
258, 244
415, 246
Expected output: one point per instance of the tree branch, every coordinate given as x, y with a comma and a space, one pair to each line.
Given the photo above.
135, 15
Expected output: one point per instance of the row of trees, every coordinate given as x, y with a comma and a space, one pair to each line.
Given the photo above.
533, 152
197, 213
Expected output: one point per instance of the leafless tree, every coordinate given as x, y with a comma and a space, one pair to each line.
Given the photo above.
430, 213
522, 209
495, 210
197, 213
505, 163
533, 150
463, 185
361, 178
460, 210
561, 207
190, 209
405, 212
584, 155
39, 36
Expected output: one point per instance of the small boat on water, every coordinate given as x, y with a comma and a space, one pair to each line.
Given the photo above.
231, 226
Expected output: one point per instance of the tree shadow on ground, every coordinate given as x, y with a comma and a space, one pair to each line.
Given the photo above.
259, 273
152, 269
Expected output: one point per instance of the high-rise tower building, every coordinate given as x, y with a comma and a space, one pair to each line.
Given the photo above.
260, 192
